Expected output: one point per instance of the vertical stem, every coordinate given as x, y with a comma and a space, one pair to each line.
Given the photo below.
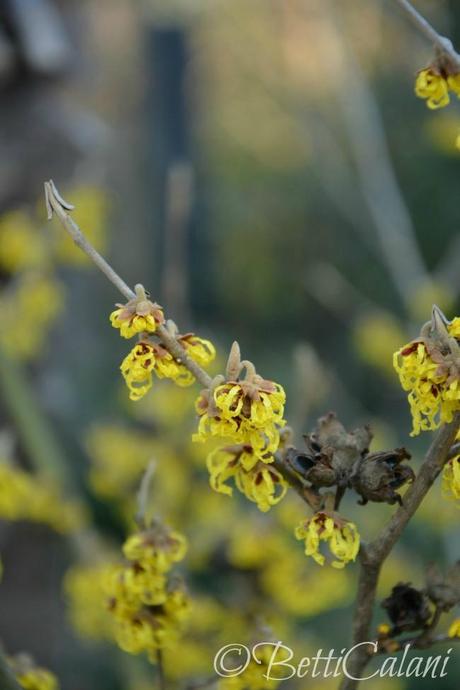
160, 671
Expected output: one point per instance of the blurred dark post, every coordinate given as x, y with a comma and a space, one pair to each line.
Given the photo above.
170, 192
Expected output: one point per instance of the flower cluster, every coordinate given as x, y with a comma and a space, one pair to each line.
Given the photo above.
142, 317
341, 535
30, 676
139, 315
24, 497
248, 413
429, 369
149, 607
434, 83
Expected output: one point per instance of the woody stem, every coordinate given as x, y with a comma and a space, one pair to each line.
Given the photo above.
373, 556
170, 343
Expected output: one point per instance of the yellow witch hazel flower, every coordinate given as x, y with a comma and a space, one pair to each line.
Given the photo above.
142, 317
156, 548
201, 351
148, 358
30, 676
149, 608
434, 83
429, 369
139, 315
454, 629
254, 477
248, 410
341, 535
137, 369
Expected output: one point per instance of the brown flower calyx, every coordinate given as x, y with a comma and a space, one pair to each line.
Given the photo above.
378, 476
335, 457
407, 608
443, 589
443, 348
141, 305
331, 453
251, 383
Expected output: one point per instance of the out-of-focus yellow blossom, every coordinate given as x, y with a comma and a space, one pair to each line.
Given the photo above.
27, 497
255, 546
451, 478
376, 336
28, 309
428, 293
139, 315
383, 629
249, 411
119, 456
442, 132
341, 536
167, 406
290, 582
158, 548
30, 676
85, 597
148, 628
149, 610
454, 629
253, 677
432, 380
91, 207
432, 85
254, 477
21, 246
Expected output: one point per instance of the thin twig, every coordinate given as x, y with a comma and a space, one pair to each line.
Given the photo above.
374, 554
56, 204
305, 492
443, 44
160, 671
144, 494
378, 183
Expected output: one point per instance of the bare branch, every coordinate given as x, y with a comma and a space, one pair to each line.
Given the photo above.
443, 44
55, 203
373, 556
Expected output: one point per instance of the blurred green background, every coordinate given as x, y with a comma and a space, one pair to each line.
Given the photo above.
266, 171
